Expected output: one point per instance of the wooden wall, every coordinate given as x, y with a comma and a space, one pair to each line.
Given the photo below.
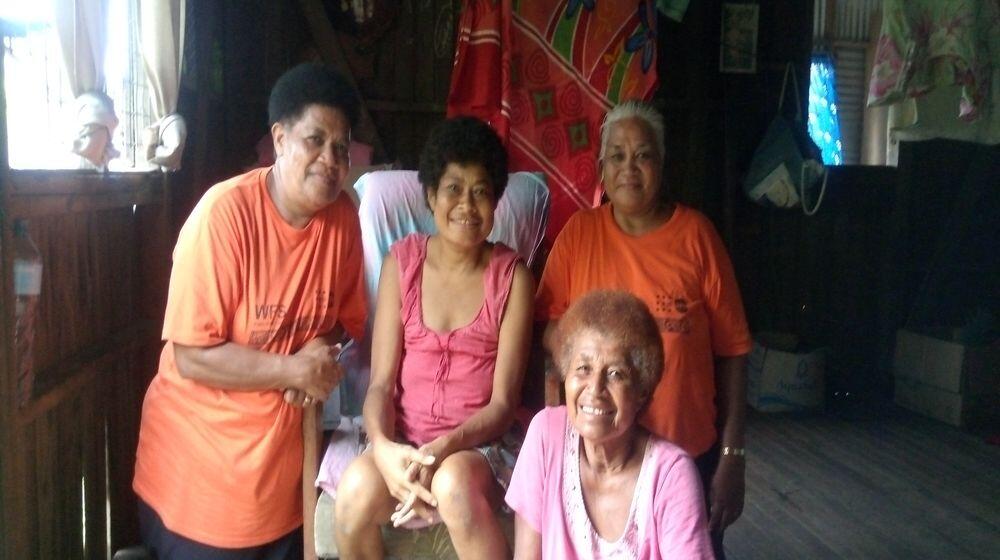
714, 123
106, 240
67, 454
401, 62
820, 277
8, 386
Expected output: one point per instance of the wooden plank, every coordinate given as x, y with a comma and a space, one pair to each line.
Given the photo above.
8, 471
87, 287
411, 136
389, 106
768, 512
20, 495
421, 33
154, 242
312, 436
896, 487
151, 239
131, 378
385, 58
17, 508
445, 32
85, 368
827, 511
35, 206
93, 405
62, 474
35, 182
404, 55
45, 527
68, 471
200, 130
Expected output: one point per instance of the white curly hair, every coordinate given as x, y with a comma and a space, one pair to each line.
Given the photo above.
634, 109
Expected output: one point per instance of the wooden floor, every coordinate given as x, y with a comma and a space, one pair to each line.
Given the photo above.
901, 486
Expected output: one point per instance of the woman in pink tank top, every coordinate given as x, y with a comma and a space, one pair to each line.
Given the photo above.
449, 349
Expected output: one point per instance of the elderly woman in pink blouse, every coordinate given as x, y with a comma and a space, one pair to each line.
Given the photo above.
449, 345
589, 481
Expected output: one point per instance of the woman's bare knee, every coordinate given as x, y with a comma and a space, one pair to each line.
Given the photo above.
362, 497
463, 486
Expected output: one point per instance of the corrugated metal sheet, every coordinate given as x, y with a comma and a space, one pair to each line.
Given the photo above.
819, 18
844, 27
844, 20
849, 62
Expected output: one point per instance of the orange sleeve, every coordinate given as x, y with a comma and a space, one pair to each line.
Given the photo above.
726, 318
353, 311
553, 294
204, 281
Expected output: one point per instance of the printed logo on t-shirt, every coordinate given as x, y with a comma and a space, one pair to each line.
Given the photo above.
671, 311
272, 323
324, 298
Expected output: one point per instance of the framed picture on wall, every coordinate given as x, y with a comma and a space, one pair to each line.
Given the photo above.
738, 48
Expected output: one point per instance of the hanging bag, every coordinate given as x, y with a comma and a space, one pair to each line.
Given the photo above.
787, 163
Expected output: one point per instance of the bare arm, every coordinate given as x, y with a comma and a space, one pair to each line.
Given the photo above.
545, 350
387, 346
491, 421
728, 483
313, 370
392, 459
731, 385
548, 336
527, 541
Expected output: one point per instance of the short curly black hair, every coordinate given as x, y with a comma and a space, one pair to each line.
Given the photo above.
464, 141
307, 84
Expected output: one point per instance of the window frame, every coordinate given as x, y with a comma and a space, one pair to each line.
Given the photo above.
125, 83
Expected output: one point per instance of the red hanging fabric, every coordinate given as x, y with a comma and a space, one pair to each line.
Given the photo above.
543, 73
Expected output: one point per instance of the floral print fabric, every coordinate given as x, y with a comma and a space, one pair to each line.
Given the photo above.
928, 43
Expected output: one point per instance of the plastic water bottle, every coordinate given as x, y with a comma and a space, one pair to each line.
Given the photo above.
27, 287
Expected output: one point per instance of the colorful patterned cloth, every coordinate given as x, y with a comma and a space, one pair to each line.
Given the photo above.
929, 43
544, 72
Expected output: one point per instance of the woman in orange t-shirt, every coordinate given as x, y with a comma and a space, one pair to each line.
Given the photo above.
669, 256
267, 279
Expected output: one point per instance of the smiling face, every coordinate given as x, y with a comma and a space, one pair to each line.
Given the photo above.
312, 160
463, 204
602, 396
631, 167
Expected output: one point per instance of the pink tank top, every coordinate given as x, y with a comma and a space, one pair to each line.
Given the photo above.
445, 378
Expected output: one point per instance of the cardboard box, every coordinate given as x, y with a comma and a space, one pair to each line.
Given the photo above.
946, 364
947, 406
779, 381
946, 380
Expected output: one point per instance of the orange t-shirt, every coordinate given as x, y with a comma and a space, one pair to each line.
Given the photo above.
224, 467
683, 273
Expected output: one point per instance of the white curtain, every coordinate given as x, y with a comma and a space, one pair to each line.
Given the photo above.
161, 42
82, 29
